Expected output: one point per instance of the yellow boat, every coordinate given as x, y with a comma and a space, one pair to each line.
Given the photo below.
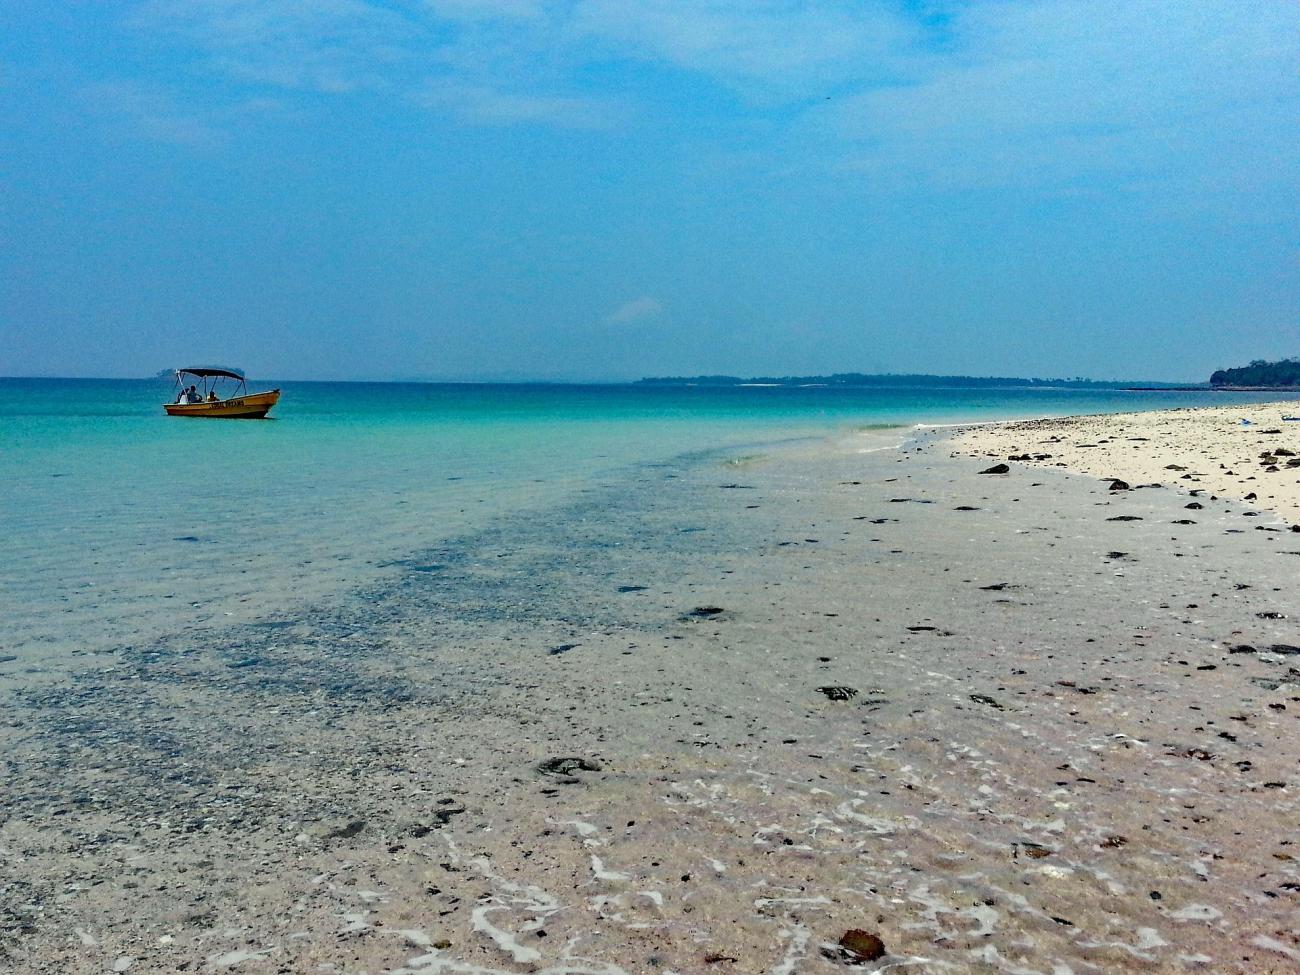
233, 404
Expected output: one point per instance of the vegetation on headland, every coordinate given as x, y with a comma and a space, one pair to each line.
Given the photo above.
895, 379
1283, 373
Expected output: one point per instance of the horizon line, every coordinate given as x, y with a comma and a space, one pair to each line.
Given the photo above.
684, 380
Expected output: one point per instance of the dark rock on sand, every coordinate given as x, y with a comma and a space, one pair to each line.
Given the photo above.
563, 648
566, 767
835, 692
348, 831
632, 588
1285, 648
1125, 518
706, 612
1075, 687
985, 699
997, 469
1194, 506
858, 946
1117, 485
443, 816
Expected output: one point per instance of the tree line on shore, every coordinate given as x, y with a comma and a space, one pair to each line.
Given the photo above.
1284, 372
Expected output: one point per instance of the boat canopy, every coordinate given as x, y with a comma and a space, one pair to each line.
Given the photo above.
204, 371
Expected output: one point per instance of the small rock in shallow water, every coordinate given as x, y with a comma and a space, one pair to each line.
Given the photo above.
706, 612
859, 946
1117, 485
997, 469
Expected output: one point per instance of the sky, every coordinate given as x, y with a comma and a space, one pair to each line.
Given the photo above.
606, 189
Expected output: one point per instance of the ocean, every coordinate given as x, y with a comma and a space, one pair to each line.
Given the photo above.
122, 525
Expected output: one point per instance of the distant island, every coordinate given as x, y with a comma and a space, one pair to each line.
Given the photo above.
857, 379
1283, 374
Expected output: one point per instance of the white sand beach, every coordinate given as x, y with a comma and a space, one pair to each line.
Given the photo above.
1244, 452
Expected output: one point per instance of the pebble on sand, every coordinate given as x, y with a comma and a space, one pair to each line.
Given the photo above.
860, 946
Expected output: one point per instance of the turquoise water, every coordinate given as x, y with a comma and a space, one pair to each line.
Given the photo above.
118, 523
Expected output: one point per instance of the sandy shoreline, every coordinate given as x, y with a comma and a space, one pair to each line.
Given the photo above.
707, 720
1208, 450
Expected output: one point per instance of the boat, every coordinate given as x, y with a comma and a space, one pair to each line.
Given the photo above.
213, 396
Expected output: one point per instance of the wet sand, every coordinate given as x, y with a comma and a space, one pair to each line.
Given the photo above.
705, 720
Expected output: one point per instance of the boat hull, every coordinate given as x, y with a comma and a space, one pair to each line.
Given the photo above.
253, 406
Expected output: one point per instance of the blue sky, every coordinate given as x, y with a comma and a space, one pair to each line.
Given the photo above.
603, 189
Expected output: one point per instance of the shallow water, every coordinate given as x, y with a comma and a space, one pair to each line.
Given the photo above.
120, 524
597, 739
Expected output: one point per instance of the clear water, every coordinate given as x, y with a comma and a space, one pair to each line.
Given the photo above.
118, 523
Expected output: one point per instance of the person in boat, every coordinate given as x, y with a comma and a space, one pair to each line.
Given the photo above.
212, 396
